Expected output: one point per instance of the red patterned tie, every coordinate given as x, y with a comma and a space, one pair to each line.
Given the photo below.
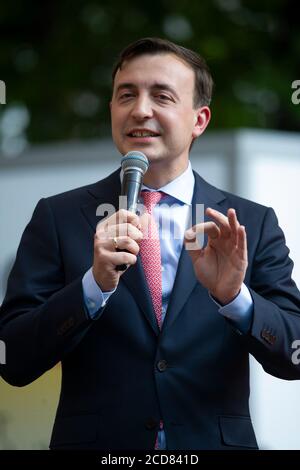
151, 259
150, 253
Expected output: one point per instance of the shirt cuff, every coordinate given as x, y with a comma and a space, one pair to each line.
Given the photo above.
94, 298
240, 310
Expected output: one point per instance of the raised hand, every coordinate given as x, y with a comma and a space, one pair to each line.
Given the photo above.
221, 265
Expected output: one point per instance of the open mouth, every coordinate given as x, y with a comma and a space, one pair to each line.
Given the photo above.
143, 134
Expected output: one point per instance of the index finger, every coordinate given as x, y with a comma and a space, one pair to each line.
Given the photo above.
119, 217
221, 220
122, 217
194, 236
210, 228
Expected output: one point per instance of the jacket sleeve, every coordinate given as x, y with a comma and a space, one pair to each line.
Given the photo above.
276, 301
41, 318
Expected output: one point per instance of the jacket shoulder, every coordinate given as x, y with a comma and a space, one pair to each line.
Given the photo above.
83, 194
229, 199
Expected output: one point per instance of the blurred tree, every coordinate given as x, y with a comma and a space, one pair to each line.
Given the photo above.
56, 58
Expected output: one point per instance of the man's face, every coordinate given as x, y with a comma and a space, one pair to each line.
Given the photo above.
152, 108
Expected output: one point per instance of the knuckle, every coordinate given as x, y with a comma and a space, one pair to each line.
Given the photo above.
124, 230
115, 231
97, 239
127, 241
99, 250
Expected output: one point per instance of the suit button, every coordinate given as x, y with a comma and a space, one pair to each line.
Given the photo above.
151, 424
162, 365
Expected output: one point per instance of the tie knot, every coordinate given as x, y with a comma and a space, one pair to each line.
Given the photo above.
151, 198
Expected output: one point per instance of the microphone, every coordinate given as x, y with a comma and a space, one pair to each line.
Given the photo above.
134, 166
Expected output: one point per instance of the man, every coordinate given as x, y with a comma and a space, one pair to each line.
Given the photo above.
155, 356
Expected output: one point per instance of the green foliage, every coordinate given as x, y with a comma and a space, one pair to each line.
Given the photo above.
56, 58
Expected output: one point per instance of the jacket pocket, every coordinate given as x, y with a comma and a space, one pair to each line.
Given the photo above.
77, 429
237, 431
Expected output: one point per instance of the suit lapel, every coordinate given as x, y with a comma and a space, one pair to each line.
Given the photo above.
106, 197
135, 280
185, 280
107, 192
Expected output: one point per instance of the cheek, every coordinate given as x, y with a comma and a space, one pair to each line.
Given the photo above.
117, 113
115, 127
117, 124
114, 116
179, 126
169, 121
180, 120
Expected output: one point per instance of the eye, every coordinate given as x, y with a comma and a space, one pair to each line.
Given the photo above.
164, 97
126, 95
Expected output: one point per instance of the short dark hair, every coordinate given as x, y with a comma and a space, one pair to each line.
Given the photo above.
203, 78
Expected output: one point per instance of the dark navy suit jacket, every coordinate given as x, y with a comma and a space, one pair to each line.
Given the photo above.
120, 374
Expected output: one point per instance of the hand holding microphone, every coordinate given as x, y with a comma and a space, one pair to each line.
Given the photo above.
134, 166
116, 239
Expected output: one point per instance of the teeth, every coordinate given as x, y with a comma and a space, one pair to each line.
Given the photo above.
143, 134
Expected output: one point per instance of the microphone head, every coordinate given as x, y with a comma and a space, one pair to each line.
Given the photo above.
135, 160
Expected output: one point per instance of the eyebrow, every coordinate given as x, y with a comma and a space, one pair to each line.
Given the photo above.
155, 86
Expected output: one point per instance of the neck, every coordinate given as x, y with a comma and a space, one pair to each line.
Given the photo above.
157, 177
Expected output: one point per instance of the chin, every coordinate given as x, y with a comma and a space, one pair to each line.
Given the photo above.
152, 157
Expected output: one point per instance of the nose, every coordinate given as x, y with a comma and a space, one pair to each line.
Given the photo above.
142, 108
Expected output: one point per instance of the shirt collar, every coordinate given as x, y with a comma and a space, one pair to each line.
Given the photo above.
181, 188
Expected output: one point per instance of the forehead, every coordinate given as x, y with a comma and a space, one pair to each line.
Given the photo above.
147, 69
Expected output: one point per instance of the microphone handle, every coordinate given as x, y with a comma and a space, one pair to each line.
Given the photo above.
131, 187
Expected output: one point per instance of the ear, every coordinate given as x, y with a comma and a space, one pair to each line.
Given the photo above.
202, 118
